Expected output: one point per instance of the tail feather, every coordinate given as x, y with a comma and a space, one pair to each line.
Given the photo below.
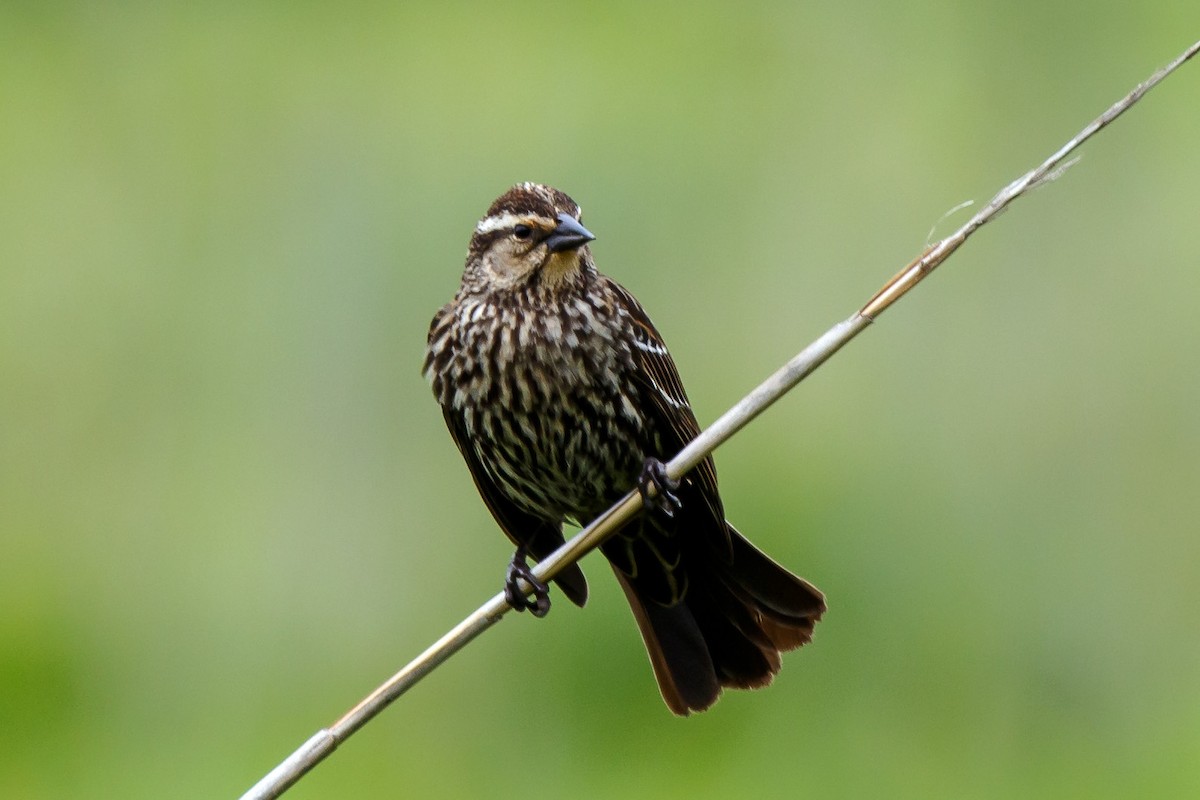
776, 590
678, 653
730, 629
744, 657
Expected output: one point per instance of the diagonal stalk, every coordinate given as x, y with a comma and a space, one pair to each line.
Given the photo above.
325, 741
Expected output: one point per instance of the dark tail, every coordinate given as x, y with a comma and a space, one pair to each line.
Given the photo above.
736, 619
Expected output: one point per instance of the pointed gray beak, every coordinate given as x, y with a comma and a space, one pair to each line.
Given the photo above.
568, 235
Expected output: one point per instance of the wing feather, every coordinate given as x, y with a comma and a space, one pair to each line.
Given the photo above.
664, 399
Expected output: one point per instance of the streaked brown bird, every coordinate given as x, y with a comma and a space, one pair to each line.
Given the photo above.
561, 396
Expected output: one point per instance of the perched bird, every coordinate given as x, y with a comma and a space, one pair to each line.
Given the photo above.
561, 396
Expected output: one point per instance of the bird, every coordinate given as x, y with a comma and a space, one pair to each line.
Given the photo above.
561, 396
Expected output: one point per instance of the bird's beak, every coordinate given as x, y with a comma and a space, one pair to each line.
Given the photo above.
568, 235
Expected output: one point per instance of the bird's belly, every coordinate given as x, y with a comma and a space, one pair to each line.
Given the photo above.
565, 458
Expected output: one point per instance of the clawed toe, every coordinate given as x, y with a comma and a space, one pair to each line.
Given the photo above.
537, 603
665, 500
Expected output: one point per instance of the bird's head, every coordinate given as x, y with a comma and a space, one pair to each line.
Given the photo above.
530, 237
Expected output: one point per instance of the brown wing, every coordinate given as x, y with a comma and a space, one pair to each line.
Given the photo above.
539, 537
665, 401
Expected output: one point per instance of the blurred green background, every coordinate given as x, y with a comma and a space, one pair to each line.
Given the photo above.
228, 506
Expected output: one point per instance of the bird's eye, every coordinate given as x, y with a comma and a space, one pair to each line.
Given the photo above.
522, 231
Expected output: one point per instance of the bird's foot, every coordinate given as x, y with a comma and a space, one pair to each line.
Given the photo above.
537, 603
664, 501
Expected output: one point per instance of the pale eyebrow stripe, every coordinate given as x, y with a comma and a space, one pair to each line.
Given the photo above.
500, 221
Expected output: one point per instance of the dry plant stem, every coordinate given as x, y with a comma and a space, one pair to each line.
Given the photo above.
326, 740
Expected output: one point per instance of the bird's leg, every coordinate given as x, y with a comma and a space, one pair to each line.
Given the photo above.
539, 602
665, 501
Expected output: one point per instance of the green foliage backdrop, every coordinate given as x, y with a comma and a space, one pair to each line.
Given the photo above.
228, 507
